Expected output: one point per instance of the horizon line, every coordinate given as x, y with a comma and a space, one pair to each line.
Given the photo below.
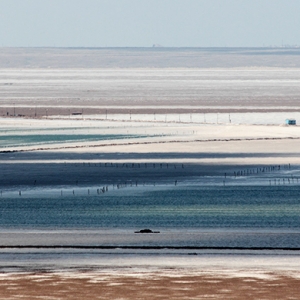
152, 47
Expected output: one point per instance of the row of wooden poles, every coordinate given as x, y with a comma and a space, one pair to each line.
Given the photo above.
133, 165
259, 170
284, 180
124, 165
264, 170
105, 188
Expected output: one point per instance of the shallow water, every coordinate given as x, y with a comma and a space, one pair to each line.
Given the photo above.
17, 140
199, 227
208, 216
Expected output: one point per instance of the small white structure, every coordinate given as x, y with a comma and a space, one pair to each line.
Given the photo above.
290, 121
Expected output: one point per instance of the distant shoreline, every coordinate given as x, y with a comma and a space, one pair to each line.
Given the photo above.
154, 57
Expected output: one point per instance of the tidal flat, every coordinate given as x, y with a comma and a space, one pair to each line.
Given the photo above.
200, 154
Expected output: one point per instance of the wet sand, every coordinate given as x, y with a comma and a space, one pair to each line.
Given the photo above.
151, 285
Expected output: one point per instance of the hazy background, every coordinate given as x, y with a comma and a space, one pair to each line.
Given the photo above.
142, 23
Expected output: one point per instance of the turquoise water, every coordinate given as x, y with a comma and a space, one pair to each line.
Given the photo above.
236, 216
174, 207
41, 139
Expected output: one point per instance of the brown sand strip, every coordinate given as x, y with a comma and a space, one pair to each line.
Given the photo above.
84, 111
153, 286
